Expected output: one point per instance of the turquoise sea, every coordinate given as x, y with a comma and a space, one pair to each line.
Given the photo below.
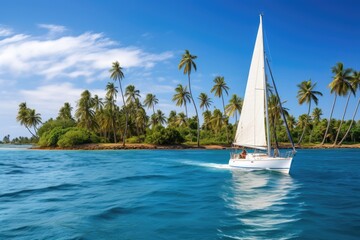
176, 194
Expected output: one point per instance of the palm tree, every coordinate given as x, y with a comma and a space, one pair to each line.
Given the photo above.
275, 114
355, 82
187, 62
85, 113
291, 121
220, 87
34, 119
234, 107
111, 91
23, 117
172, 118
205, 101
110, 106
316, 115
306, 94
352, 89
98, 103
217, 120
207, 119
181, 97
181, 120
150, 101
160, 116
65, 112
117, 74
131, 93
340, 86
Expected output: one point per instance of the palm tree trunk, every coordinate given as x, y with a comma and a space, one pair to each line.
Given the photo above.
342, 120
153, 109
328, 125
227, 131
126, 114
352, 121
114, 131
186, 113
303, 132
30, 131
197, 116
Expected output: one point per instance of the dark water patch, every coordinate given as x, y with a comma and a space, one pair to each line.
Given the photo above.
15, 172
146, 177
168, 193
29, 192
115, 212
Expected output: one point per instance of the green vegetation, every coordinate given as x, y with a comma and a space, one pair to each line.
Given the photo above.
103, 120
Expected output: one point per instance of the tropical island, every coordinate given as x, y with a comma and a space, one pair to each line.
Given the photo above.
102, 123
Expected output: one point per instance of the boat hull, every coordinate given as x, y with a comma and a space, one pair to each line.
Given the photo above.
278, 164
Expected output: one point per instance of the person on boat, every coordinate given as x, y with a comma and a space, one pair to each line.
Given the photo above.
243, 154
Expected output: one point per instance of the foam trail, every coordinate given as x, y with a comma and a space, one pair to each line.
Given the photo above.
208, 165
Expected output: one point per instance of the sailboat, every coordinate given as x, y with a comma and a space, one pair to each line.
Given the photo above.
253, 130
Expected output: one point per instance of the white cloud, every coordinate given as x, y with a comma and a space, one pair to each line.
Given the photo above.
53, 28
5, 31
87, 55
50, 98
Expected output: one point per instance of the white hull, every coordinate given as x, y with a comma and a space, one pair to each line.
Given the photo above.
262, 162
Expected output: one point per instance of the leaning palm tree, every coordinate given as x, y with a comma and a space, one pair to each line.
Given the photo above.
234, 107
150, 101
219, 88
306, 94
340, 86
351, 90
181, 97
355, 82
23, 117
34, 119
205, 101
187, 62
116, 74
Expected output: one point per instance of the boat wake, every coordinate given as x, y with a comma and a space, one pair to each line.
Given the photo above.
207, 165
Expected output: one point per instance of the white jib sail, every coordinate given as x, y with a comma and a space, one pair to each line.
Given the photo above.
251, 128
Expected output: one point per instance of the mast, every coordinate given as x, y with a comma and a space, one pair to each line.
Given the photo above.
266, 101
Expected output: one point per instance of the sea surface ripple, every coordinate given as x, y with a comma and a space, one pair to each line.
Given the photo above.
176, 194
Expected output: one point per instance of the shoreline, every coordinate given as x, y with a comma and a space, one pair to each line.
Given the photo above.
145, 146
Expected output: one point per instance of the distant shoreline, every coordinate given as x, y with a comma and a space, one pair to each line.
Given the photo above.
144, 146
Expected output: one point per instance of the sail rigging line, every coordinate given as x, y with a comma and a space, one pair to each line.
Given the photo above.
281, 108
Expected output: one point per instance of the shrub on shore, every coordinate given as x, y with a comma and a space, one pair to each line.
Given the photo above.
161, 136
76, 136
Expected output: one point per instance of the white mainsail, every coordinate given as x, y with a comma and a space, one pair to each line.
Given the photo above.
251, 128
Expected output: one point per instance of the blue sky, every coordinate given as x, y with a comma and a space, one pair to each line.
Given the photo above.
50, 51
